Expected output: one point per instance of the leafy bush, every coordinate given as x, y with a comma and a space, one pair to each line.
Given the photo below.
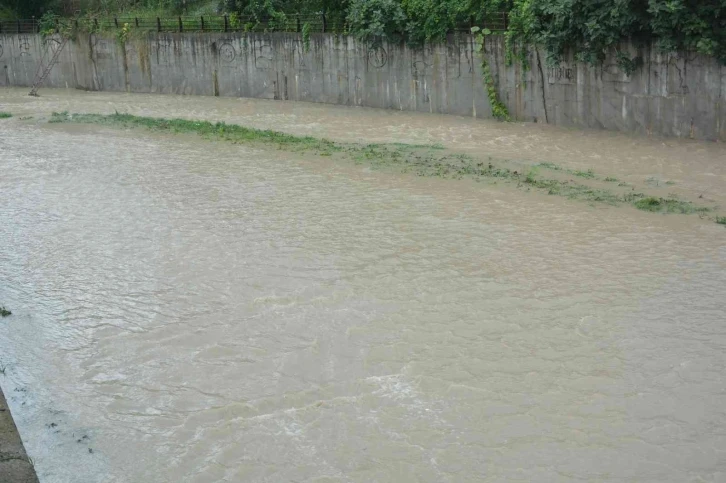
375, 20
589, 29
690, 24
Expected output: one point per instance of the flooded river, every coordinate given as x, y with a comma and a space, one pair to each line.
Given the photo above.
195, 311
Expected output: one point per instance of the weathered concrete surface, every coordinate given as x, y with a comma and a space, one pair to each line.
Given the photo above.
674, 94
14, 464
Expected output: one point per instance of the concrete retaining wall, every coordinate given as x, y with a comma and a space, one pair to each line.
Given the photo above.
15, 467
677, 94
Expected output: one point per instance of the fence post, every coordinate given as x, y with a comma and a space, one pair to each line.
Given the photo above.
136, 21
181, 25
226, 23
324, 23
202, 17
18, 25
158, 24
95, 24
298, 23
115, 22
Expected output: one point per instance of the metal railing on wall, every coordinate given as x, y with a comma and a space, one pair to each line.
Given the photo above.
18, 26
225, 23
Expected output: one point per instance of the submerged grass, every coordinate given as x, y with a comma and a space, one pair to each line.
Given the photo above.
590, 174
228, 132
4, 312
5, 115
424, 160
669, 205
552, 166
584, 174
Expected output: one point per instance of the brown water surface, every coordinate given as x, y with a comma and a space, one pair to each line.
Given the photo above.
188, 310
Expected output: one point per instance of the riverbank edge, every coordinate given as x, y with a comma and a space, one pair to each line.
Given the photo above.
15, 466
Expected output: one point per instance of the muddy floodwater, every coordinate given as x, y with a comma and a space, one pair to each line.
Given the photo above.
186, 310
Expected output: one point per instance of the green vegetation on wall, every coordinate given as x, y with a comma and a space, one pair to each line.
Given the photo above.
499, 110
587, 28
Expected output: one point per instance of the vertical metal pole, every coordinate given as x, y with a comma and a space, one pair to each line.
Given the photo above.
158, 24
226, 23
136, 20
181, 26
324, 23
202, 17
115, 22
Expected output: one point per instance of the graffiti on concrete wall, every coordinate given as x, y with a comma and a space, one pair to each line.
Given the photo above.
561, 74
227, 52
377, 56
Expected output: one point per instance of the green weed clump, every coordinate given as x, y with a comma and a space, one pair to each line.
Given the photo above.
5, 115
668, 205
552, 166
584, 174
4, 312
721, 220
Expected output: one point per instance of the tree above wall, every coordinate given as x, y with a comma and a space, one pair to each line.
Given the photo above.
587, 29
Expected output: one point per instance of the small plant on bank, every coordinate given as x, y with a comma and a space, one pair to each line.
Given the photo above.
4, 312
721, 220
531, 177
5, 115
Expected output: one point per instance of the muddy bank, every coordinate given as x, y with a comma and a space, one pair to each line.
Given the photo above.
15, 467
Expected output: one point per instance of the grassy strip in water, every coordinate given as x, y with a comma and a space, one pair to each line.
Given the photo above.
5, 115
424, 160
228, 132
590, 174
669, 205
